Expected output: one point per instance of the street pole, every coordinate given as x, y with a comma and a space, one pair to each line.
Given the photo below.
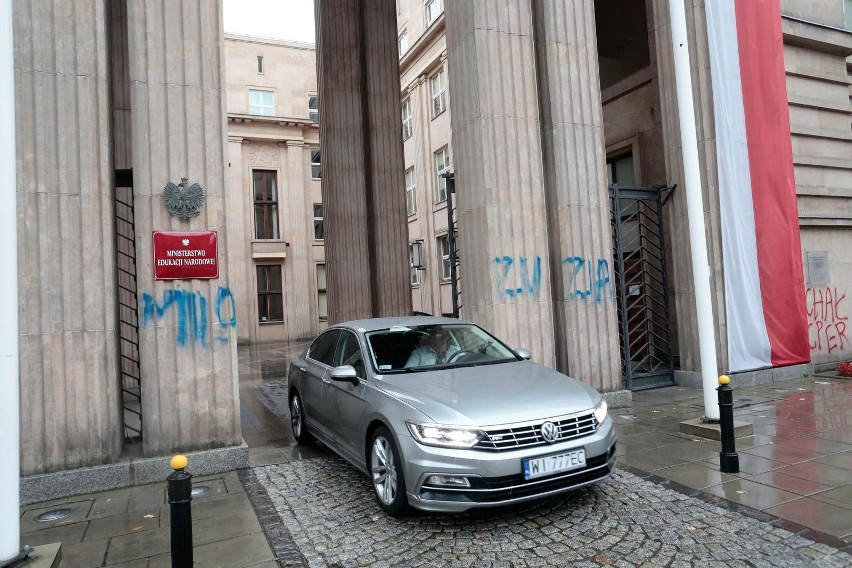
695, 209
451, 240
10, 526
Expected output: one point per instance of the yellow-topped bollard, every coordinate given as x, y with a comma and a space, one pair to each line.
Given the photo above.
179, 462
729, 461
724, 380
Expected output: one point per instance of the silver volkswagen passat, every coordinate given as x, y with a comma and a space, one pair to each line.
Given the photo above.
443, 416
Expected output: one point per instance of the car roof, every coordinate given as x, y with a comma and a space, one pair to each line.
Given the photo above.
374, 324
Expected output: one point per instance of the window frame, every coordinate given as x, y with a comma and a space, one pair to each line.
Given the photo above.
262, 107
441, 182
407, 120
265, 294
439, 98
437, 12
410, 192
260, 65
403, 35
316, 165
322, 292
269, 206
313, 111
446, 269
321, 224
414, 276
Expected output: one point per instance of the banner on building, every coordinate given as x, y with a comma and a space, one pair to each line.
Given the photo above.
764, 283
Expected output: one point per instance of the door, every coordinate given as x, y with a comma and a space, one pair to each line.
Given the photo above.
347, 399
315, 377
641, 286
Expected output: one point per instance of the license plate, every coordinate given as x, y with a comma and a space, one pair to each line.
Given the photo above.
537, 467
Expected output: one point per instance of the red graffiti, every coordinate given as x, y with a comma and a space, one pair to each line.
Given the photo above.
826, 324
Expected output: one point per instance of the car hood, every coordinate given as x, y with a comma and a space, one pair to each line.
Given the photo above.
490, 394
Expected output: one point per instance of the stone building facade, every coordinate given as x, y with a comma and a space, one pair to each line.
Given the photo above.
275, 198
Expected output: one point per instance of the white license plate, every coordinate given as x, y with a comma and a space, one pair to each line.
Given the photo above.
537, 467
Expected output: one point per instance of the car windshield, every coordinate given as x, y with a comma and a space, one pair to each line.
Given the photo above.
437, 346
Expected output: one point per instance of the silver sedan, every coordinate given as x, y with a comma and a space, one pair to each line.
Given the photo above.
443, 416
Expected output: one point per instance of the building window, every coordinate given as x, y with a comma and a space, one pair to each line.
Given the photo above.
439, 101
322, 298
415, 272
407, 127
410, 196
319, 233
444, 251
270, 300
260, 65
402, 42
442, 164
261, 103
315, 164
313, 108
433, 10
265, 204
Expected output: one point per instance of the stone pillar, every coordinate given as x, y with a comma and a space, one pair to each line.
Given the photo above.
300, 234
500, 191
683, 293
66, 233
366, 240
190, 397
575, 181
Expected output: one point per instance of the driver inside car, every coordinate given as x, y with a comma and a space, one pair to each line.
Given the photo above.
437, 350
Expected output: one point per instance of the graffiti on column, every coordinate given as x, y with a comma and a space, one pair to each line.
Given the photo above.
826, 320
585, 278
192, 314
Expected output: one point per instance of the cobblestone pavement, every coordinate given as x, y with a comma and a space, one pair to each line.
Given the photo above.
325, 514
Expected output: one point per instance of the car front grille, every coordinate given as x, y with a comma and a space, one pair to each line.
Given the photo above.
528, 434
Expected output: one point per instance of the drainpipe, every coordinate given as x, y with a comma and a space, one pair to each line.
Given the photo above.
10, 525
695, 209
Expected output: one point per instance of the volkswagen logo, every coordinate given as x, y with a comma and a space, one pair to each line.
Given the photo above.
550, 432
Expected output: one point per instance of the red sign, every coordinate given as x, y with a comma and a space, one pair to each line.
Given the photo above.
185, 256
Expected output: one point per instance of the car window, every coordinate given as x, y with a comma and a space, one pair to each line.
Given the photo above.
322, 349
349, 353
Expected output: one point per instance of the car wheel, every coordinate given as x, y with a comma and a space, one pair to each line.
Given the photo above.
387, 475
297, 420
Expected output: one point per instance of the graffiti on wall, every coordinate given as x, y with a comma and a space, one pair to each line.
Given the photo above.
826, 320
193, 312
585, 278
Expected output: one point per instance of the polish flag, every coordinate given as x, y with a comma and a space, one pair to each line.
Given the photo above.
764, 282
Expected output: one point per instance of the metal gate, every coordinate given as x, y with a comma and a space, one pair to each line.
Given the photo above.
641, 286
128, 313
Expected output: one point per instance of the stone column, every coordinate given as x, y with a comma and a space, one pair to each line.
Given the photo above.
70, 393
366, 240
683, 293
575, 181
502, 207
190, 397
300, 235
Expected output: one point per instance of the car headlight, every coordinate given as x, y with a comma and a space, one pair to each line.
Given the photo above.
600, 412
445, 436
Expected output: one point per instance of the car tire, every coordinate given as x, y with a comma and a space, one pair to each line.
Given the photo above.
386, 473
297, 420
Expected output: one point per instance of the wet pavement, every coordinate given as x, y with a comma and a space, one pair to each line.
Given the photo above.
666, 505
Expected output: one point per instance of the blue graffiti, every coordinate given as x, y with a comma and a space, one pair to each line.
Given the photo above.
191, 313
586, 280
530, 281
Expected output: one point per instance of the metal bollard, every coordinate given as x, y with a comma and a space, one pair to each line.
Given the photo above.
180, 498
729, 461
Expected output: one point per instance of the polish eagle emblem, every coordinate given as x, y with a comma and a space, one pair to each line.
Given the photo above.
184, 200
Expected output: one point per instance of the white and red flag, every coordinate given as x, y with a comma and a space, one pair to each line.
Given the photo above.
764, 282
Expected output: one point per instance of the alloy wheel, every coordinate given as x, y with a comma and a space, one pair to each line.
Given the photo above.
384, 470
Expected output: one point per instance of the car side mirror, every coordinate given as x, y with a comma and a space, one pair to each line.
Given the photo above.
523, 354
344, 373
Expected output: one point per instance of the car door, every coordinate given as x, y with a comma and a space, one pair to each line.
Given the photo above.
347, 398
315, 376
